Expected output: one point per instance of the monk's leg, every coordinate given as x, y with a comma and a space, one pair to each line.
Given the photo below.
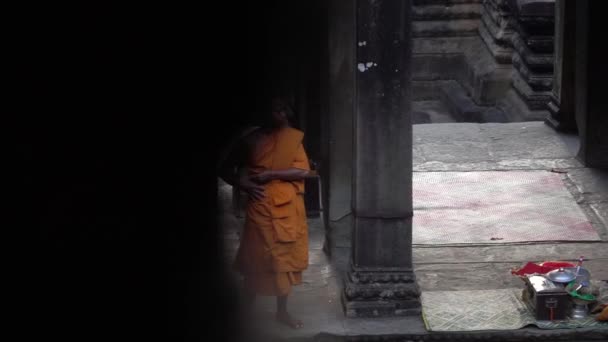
283, 316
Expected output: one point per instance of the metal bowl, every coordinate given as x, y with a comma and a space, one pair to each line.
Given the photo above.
561, 275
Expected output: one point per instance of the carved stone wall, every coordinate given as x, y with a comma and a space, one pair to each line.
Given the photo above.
533, 45
496, 29
445, 18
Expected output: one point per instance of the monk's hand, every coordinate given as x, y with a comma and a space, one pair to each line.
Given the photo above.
262, 177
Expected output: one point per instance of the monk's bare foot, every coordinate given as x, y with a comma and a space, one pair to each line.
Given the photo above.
286, 319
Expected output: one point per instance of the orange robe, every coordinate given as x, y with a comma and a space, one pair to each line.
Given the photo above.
274, 244
603, 316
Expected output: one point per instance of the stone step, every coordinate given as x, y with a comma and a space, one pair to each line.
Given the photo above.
460, 105
445, 2
445, 28
442, 12
541, 62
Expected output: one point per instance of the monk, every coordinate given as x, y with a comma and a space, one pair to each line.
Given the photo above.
270, 167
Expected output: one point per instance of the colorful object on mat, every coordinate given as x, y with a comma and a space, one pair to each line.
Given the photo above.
540, 268
572, 291
604, 315
475, 310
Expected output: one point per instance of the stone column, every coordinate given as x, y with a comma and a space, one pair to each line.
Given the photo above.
380, 281
591, 74
561, 106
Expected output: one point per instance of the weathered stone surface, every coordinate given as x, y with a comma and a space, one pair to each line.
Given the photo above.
382, 118
492, 143
591, 183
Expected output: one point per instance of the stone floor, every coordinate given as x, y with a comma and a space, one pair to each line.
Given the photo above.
447, 147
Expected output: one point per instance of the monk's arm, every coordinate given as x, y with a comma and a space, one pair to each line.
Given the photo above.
291, 174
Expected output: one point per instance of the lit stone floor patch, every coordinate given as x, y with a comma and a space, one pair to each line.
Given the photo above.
496, 207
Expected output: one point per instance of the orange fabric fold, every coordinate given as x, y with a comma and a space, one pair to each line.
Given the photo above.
274, 245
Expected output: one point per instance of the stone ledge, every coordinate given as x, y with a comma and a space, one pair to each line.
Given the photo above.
528, 334
380, 308
538, 82
542, 62
535, 100
441, 12
499, 27
451, 28
501, 53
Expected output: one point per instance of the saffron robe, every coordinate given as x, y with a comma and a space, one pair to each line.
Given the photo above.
274, 245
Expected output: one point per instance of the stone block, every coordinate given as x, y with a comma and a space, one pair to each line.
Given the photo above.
461, 107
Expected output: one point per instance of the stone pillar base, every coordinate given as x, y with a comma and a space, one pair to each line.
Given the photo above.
556, 119
380, 292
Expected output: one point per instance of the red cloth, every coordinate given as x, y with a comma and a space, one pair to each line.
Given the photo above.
541, 268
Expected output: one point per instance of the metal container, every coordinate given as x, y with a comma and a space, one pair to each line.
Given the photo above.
548, 300
579, 311
561, 276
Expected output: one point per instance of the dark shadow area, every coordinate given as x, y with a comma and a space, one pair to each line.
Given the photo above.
124, 108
